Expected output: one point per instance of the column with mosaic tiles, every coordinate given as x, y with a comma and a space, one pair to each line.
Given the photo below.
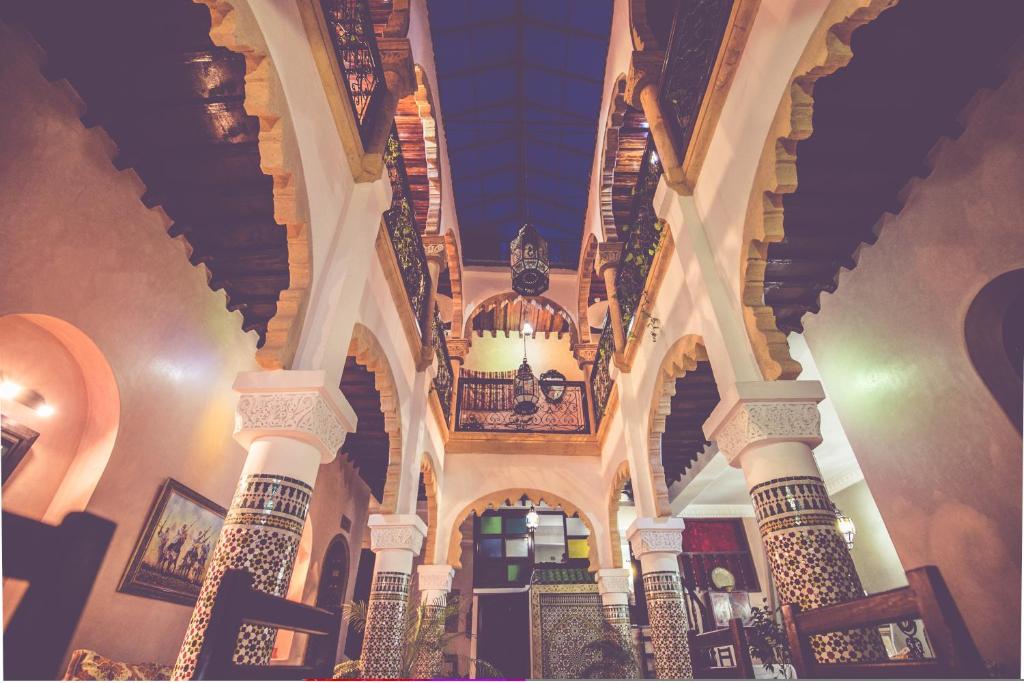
290, 422
613, 585
769, 429
434, 582
657, 543
395, 540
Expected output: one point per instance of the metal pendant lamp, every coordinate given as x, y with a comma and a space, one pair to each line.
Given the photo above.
530, 262
525, 392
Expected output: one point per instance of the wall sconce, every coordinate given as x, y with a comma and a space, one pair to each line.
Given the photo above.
845, 526
12, 391
532, 519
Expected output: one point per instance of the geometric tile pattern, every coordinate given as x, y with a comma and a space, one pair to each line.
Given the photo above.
261, 534
429, 661
664, 593
564, 618
617, 616
385, 619
810, 561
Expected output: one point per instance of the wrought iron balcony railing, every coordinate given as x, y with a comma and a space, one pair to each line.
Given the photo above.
444, 381
355, 47
641, 239
405, 237
600, 375
485, 404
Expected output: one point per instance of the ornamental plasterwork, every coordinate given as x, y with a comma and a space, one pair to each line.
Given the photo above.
435, 577
397, 537
613, 581
301, 411
646, 541
751, 423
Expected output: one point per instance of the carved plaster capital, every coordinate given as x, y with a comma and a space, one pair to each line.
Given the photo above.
608, 256
586, 354
458, 348
435, 577
648, 535
766, 412
294, 404
399, 72
644, 70
396, 532
613, 581
434, 248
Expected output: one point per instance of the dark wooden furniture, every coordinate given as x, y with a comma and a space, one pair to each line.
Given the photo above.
702, 646
60, 564
239, 603
926, 598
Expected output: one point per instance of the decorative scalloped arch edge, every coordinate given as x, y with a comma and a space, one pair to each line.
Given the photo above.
586, 274
507, 497
424, 97
609, 157
619, 479
681, 357
430, 484
368, 352
541, 301
233, 26
827, 51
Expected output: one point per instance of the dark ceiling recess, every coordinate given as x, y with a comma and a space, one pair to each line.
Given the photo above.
683, 440
913, 71
367, 447
520, 88
173, 103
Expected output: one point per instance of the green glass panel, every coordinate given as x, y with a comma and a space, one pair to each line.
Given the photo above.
490, 524
515, 525
513, 572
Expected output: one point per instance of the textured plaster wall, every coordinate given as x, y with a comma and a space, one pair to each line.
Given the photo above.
506, 353
79, 245
873, 553
941, 458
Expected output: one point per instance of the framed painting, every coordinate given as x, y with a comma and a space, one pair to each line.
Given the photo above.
176, 544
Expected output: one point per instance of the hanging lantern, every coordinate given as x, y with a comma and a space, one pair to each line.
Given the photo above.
524, 390
845, 526
552, 385
529, 262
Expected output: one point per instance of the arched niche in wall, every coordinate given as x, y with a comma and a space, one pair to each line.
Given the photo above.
994, 333
61, 363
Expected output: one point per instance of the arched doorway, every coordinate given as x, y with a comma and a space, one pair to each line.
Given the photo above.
333, 574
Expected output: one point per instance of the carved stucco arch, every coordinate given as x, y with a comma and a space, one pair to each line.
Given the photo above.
681, 358
233, 26
506, 497
827, 51
542, 301
429, 469
368, 352
619, 479
609, 156
586, 274
425, 106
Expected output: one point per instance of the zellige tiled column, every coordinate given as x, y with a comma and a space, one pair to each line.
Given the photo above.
395, 540
657, 544
769, 430
434, 582
291, 422
613, 585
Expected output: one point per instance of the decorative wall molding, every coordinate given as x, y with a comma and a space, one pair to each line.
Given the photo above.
585, 276
752, 423
430, 484
613, 581
711, 511
299, 414
682, 357
662, 535
396, 532
367, 351
827, 51
233, 26
619, 480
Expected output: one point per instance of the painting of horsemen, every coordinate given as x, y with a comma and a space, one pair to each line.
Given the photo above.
175, 547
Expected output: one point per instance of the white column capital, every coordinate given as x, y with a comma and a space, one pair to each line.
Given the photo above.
296, 404
758, 413
650, 535
396, 532
435, 577
614, 580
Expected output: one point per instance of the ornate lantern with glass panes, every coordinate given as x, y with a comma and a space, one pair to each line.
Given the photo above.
529, 262
525, 395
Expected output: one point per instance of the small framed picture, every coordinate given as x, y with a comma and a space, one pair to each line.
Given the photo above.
176, 544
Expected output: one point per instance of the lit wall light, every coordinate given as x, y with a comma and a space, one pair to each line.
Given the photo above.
845, 526
527, 328
9, 389
45, 410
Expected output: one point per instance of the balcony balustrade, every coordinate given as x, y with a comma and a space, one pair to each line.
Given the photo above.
485, 404
355, 46
444, 380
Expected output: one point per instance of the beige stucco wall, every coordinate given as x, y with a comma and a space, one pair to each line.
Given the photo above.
80, 246
941, 458
874, 555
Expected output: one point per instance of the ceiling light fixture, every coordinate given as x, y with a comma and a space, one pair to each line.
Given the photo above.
530, 262
9, 389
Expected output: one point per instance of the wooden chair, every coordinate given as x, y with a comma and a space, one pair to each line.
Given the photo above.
926, 598
239, 603
60, 564
702, 656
